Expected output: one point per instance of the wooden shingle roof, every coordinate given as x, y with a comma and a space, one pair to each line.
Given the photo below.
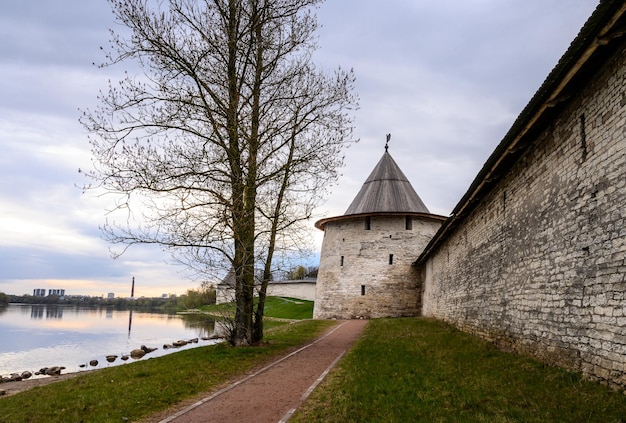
386, 190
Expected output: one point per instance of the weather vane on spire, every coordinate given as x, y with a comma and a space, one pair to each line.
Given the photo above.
387, 143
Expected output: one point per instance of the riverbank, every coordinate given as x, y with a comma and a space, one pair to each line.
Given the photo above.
137, 390
12, 388
38, 336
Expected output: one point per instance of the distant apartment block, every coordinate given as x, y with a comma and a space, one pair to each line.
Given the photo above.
110, 295
59, 292
39, 292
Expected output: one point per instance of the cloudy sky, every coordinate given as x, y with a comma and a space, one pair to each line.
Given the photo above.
445, 77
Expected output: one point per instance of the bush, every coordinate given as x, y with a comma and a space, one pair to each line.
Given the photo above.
197, 298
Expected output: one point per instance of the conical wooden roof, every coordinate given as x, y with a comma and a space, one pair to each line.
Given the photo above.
387, 190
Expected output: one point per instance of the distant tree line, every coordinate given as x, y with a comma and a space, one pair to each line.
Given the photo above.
301, 272
193, 298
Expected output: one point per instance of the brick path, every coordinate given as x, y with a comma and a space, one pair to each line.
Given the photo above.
273, 393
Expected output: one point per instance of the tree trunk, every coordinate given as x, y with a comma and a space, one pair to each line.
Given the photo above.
258, 321
243, 227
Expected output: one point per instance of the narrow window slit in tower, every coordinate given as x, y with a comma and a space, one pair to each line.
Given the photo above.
409, 223
362, 289
583, 137
390, 258
341, 261
368, 223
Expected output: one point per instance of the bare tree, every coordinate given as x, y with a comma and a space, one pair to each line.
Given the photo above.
227, 139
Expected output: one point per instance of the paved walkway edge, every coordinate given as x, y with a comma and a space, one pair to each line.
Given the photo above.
269, 366
289, 413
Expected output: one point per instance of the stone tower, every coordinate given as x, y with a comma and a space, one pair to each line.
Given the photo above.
365, 264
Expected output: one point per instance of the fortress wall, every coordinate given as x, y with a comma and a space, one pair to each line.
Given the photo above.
366, 285
539, 266
303, 290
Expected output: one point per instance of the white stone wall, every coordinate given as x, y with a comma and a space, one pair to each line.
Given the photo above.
364, 284
540, 265
224, 294
303, 290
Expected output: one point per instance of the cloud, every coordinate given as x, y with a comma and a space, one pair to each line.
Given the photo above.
42, 32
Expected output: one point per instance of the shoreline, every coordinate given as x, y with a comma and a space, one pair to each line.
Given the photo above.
11, 388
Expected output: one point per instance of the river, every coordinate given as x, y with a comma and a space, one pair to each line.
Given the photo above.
37, 336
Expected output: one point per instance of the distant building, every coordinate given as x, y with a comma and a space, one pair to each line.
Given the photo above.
110, 295
42, 292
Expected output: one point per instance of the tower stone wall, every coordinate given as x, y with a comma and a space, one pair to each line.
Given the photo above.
365, 266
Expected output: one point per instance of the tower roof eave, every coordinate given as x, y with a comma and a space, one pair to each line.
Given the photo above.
320, 224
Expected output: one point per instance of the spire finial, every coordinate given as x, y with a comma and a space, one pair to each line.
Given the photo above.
387, 143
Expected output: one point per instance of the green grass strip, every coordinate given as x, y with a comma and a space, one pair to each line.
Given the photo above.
422, 370
132, 391
275, 307
288, 308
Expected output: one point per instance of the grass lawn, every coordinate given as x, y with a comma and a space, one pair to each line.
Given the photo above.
132, 391
275, 307
288, 308
421, 370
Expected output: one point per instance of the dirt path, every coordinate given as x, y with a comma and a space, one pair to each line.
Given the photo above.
273, 393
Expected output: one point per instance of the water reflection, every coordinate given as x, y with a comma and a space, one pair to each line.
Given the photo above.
51, 312
46, 335
130, 320
204, 324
